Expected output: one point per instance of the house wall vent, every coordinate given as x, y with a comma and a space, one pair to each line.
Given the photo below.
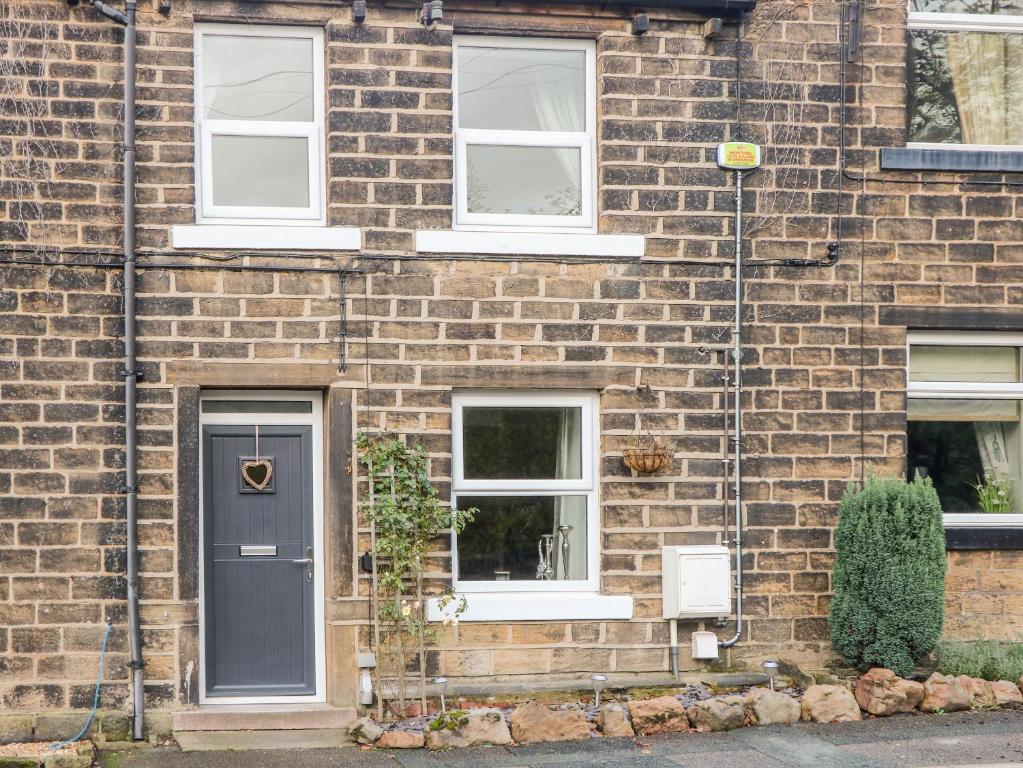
695, 582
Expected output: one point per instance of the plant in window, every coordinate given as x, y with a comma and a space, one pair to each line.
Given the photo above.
889, 575
995, 495
407, 518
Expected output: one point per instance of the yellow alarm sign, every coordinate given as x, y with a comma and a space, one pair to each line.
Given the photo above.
739, 156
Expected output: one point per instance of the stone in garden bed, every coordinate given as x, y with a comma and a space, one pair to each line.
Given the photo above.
468, 728
944, 694
613, 721
365, 731
1006, 692
401, 740
664, 714
882, 693
534, 721
979, 692
767, 707
721, 713
829, 704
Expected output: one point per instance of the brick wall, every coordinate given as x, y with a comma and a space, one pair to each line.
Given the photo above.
825, 377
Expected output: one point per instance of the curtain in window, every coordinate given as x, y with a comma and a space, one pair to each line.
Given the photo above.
566, 512
987, 77
559, 108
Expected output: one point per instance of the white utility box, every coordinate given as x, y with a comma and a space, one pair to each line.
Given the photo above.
696, 582
705, 645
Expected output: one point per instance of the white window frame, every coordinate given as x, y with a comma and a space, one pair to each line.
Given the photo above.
960, 390
208, 213
586, 486
585, 141
930, 21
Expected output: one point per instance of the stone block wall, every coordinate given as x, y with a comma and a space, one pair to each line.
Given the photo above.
825, 362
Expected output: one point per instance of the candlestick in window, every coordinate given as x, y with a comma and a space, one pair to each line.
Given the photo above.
544, 547
564, 530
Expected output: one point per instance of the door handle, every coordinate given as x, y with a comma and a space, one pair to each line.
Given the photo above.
307, 561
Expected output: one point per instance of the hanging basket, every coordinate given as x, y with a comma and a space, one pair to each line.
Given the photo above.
647, 459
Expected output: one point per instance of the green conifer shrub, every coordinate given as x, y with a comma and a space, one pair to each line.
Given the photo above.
889, 576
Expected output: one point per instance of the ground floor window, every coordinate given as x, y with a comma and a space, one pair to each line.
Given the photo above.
964, 430
527, 462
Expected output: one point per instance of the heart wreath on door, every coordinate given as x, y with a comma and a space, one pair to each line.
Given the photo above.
257, 473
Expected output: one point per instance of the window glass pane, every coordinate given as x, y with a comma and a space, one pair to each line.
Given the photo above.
524, 180
257, 78
998, 7
974, 464
979, 364
268, 171
964, 87
521, 443
257, 406
521, 89
523, 538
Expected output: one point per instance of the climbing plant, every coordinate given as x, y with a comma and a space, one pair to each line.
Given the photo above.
406, 518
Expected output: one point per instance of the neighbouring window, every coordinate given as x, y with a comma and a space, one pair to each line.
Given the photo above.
964, 424
527, 463
259, 124
525, 112
966, 72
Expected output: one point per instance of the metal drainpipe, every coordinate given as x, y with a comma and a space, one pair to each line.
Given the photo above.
737, 417
131, 377
130, 373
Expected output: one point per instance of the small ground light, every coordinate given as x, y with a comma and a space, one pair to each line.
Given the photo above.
442, 683
599, 681
770, 669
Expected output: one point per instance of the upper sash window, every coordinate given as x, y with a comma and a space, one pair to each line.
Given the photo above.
966, 73
259, 124
525, 116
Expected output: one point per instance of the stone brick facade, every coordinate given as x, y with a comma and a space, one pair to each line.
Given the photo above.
825, 362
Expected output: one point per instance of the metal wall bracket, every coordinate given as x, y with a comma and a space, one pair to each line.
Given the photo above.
854, 33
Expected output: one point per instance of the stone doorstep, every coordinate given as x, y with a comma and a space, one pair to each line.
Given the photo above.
218, 741
264, 718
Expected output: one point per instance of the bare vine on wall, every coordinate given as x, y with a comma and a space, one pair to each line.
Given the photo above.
407, 517
45, 150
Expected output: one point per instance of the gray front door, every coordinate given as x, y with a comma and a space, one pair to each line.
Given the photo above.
259, 602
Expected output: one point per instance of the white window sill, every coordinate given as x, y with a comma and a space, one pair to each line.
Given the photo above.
529, 243
266, 237
536, 606
982, 520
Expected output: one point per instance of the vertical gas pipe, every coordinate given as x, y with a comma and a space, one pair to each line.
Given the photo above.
131, 376
737, 412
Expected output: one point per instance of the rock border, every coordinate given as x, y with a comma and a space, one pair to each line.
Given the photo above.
877, 693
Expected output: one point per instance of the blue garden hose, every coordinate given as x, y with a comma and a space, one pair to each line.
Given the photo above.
95, 694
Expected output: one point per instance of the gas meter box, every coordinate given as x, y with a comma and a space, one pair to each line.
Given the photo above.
739, 156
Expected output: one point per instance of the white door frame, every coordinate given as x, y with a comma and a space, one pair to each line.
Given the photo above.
315, 420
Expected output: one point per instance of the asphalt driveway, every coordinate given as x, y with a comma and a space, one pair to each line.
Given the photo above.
907, 741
